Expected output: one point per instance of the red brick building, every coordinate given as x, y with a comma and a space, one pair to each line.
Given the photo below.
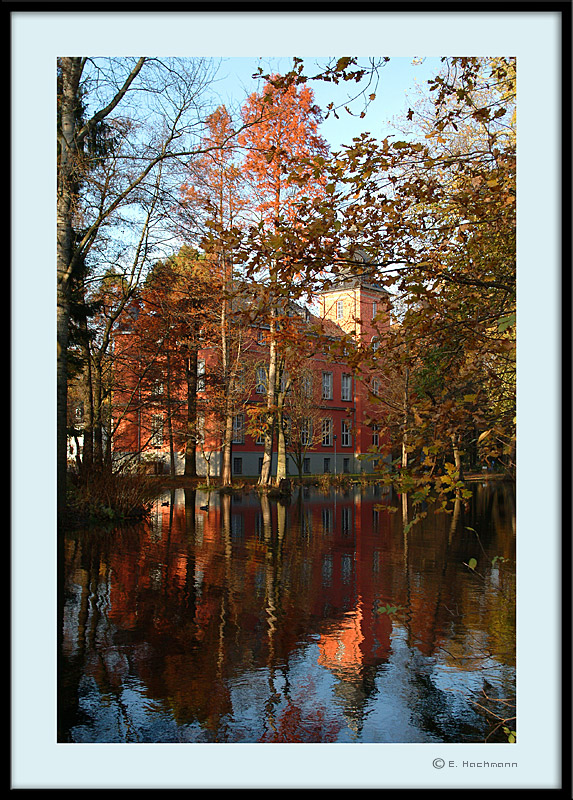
345, 418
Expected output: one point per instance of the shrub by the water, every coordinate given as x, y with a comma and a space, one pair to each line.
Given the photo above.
110, 496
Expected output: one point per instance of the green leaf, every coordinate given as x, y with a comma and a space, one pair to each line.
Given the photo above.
505, 322
472, 563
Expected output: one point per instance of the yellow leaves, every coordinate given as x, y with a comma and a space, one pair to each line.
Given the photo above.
483, 436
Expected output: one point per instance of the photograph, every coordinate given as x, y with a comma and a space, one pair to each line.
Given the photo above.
289, 487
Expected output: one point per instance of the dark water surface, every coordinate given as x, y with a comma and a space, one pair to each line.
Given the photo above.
320, 621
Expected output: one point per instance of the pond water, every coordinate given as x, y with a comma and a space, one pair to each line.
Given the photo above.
230, 619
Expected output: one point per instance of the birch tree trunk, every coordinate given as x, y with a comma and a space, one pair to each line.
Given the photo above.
265, 476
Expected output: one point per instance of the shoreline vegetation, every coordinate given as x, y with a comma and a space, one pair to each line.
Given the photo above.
116, 498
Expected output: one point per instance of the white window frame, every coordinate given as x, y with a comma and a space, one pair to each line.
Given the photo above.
345, 435
375, 436
327, 385
306, 432
327, 431
157, 423
306, 385
239, 429
261, 380
374, 308
346, 387
340, 309
201, 375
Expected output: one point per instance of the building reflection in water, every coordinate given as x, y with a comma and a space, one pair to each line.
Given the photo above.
236, 618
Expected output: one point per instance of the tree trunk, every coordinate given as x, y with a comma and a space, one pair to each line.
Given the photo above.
226, 465
455, 437
97, 416
265, 476
406, 408
169, 416
191, 438
281, 449
88, 416
71, 70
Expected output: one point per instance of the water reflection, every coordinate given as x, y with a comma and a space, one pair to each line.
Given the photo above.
238, 619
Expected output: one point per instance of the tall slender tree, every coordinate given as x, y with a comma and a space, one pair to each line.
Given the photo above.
283, 152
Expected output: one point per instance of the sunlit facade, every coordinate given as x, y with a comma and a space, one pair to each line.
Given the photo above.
345, 422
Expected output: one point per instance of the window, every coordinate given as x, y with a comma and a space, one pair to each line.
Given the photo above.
261, 338
239, 429
346, 567
306, 466
326, 432
346, 391
306, 433
156, 430
327, 520
327, 385
375, 386
346, 438
260, 465
346, 465
239, 381
201, 429
201, 376
261, 378
327, 570
339, 309
375, 343
374, 309
306, 385
238, 466
327, 465
375, 435
237, 526
261, 426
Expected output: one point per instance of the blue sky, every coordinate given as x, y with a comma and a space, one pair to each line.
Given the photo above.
397, 80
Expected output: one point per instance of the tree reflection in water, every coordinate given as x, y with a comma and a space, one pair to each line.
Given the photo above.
234, 618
